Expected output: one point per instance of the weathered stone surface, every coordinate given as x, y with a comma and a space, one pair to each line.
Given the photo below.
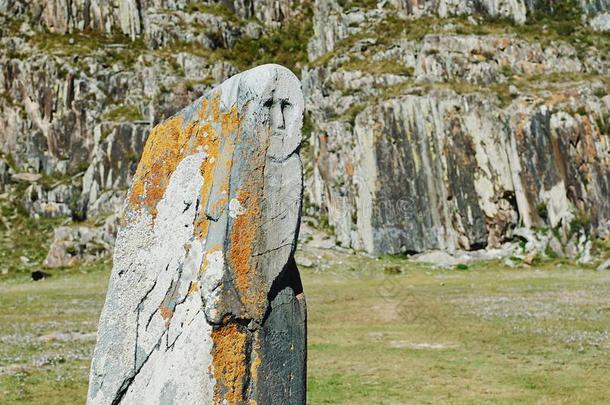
205, 303
601, 22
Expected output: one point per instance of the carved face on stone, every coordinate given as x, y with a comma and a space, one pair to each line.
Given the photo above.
271, 99
264, 186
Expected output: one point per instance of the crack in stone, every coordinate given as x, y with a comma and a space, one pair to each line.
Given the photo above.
272, 249
285, 159
122, 391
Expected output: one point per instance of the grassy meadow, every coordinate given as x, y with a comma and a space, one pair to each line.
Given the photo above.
381, 331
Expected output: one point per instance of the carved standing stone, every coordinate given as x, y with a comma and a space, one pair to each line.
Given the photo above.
205, 303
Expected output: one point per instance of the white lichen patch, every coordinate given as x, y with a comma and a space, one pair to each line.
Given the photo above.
213, 269
235, 208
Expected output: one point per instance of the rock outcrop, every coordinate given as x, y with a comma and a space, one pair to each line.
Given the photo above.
74, 245
134, 17
205, 304
335, 20
450, 140
516, 91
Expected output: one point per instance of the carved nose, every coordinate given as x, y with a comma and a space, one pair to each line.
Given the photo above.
277, 116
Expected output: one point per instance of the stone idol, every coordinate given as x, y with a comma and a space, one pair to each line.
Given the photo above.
205, 303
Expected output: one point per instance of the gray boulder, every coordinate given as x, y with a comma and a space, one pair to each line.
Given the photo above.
205, 303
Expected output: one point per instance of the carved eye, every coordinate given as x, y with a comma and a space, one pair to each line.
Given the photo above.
286, 110
268, 103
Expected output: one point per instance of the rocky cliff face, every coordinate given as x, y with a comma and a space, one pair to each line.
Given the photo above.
450, 133
432, 124
135, 18
450, 171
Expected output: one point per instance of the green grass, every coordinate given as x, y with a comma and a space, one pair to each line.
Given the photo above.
286, 46
364, 4
24, 241
87, 43
603, 123
411, 335
533, 335
220, 10
37, 364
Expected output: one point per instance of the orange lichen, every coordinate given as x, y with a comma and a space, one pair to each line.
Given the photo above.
169, 143
203, 111
249, 284
221, 202
212, 143
229, 364
166, 314
207, 139
242, 239
159, 159
256, 361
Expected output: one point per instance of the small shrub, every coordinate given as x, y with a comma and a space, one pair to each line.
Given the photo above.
542, 211
392, 270
350, 114
123, 113
580, 222
603, 123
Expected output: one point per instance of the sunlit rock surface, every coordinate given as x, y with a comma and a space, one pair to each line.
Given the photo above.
205, 303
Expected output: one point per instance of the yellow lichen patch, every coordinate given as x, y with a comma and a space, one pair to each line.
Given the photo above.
229, 364
216, 106
256, 361
159, 159
249, 284
221, 202
205, 263
229, 121
203, 111
216, 160
207, 139
169, 143
193, 288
